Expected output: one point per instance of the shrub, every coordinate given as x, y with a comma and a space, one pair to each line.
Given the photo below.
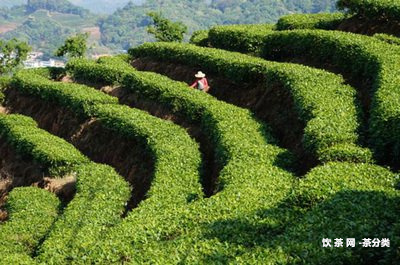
98, 203
169, 144
4, 82
100, 200
224, 229
387, 38
199, 37
47, 150
32, 212
327, 21
343, 200
372, 8
240, 38
322, 100
361, 58
78, 97
242, 149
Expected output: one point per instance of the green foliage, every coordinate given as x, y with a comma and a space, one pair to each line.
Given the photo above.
176, 176
342, 199
43, 33
378, 9
387, 38
261, 214
13, 53
328, 21
127, 26
243, 147
75, 46
322, 100
222, 229
99, 202
32, 212
4, 82
171, 147
200, 38
42, 147
240, 38
166, 30
61, 6
363, 59
80, 98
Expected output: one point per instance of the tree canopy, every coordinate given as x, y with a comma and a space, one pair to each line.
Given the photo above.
12, 54
166, 30
128, 26
75, 46
62, 6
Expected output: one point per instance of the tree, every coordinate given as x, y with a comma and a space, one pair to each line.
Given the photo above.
12, 54
166, 30
74, 46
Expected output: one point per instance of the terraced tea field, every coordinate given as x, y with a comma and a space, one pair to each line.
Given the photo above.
118, 161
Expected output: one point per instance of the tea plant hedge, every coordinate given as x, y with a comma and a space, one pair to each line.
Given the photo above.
77, 97
242, 149
386, 9
322, 100
241, 38
51, 152
338, 200
168, 144
327, 21
99, 202
361, 58
387, 38
37, 221
261, 213
226, 125
32, 212
199, 37
175, 180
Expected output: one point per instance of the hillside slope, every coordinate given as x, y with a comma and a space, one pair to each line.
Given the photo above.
127, 26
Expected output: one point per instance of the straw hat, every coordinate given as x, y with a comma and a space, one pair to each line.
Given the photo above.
200, 74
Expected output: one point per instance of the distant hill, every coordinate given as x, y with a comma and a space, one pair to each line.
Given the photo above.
104, 6
60, 6
95, 6
46, 23
43, 32
127, 26
11, 3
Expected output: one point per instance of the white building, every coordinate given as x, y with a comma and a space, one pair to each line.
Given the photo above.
36, 63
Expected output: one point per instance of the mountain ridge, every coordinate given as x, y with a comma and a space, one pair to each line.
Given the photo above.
126, 27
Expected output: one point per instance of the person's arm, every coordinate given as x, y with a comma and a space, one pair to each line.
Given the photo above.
194, 84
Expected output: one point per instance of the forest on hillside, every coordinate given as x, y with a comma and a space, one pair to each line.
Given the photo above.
44, 24
126, 27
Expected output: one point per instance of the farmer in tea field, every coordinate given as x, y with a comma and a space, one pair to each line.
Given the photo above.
201, 82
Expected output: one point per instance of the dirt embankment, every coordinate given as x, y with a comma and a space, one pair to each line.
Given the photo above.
272, 104
129, 157
15, 171
368, 26
19, 171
